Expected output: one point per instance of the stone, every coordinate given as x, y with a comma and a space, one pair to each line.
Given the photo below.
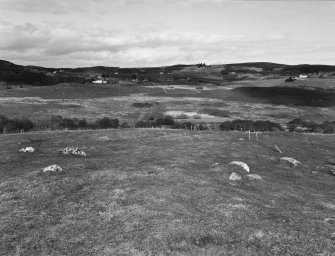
234, 176
332, 172
27, 150
292, 161
72, 151
254, 177
243, 165
53, 168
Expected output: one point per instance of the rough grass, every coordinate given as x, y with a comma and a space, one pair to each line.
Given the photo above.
93, 101
153, 192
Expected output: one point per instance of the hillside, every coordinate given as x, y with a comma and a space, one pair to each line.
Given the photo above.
182, 74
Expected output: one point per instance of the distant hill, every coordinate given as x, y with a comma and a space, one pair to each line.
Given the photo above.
305, 68
198, 73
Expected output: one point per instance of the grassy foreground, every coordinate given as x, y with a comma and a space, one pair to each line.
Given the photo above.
153, 192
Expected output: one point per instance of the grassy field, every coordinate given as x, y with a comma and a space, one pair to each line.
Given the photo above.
95, 101
154, 192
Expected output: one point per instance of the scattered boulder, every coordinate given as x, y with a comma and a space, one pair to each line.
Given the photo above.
53, 168
332, 172
254, 177
72, 151
215, 165
292, 161
332, 237
27, 150
234, 176
243, 165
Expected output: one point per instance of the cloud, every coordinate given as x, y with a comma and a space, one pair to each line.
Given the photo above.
86, 6
72, 46
154, 32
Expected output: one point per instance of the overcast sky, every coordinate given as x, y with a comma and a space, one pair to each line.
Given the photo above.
129, 33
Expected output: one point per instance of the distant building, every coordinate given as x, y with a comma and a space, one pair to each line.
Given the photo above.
99, 82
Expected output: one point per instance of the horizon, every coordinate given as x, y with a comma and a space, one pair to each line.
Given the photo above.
183, 64
147, 33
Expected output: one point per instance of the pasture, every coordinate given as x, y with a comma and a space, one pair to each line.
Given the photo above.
154, 192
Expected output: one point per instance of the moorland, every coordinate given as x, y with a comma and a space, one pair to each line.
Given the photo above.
156, 177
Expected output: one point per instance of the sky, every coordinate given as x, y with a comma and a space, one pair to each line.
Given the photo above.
142, 33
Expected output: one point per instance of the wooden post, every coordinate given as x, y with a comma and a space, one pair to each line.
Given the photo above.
249, 134
278, 149
257, 136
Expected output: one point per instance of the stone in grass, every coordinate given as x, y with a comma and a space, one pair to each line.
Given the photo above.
234, 176
27, 150
292, 161
72, 151
254, 177
332, 172
53, 168
241, 164
332, 237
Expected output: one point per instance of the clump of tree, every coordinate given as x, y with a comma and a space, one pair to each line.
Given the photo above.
157, 122
9, 125
199, 65
105, 123
60, 123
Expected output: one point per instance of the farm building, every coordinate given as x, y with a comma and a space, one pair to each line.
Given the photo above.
99, 82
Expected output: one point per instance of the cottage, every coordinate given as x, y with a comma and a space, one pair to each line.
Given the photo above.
99, 82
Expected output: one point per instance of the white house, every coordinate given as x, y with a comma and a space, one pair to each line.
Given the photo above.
99, 82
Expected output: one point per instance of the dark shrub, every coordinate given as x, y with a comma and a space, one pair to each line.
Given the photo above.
183, 125
143, 124
15, 125
68, 123
25, 124
82, 124
166, 120
142, 105
106, 123
125, 125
